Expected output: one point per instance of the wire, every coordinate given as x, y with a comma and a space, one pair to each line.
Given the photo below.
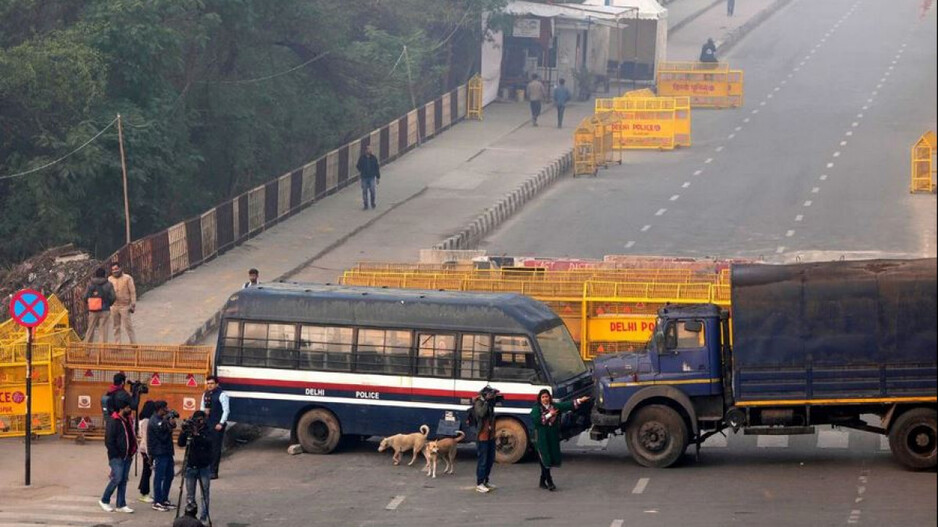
275, 75
453, 32
59, 160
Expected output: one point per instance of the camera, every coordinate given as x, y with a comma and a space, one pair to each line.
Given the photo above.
172, 414
193, 426
138, 387
489, 393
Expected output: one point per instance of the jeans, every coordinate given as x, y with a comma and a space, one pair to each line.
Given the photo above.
145, 474
486, 450
162, 478
369, 186
560, 109
535, 110
120, 469
204, 474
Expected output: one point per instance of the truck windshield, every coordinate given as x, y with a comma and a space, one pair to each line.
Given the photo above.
560, 354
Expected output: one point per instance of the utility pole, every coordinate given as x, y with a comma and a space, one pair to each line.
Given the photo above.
413, 99
120, 142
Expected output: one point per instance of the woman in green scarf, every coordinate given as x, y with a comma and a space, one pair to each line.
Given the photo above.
547, 432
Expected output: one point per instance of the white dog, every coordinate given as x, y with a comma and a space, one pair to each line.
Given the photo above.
403, 442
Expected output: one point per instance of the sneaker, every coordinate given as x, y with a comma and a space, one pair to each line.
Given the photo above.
159, 507
489, 486
125, 509
145, 498
106, 506
482, 488
168, 504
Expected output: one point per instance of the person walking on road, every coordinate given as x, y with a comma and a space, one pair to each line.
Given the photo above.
198, 467
125, 304
561, 98
536, 94
160, 448
708, 53
99, 297
215, 405
545, 415
121, 443
253, 275
370, 175
730, 7
147, 472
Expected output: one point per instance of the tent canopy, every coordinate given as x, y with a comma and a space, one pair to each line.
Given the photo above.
587, 12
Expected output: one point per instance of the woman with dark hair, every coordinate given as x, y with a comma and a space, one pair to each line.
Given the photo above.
144, 419
545, 415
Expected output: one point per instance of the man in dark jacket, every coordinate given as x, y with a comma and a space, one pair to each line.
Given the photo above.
98, 297
370, 176
121, 442
483, 418
708, 53
160, 447
116, 396
199, 460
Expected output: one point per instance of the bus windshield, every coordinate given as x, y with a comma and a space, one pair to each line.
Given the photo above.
560, 354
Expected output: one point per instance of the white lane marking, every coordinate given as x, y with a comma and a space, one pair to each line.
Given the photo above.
755, 111
861, 489
776, 88
888, 73
882, 79
865, 107
698, 172
884, 442
848, 133
708, 161
869, 101
833, 439
645, 228
395, 503
859, 116
843, 143
823, 177
837, 153
617, 523
789, 233
769, 96
796, 69
780, 250
854, 124
772, 442
801, 63
719, 148
746, 120
894, 61
675, 197
784, 82
790, 75
640, 486
830, 165
738, 128
715, 441
875, 93
799, 217
878, 86
661, 212
629, 244
686, 184
731, 136
807, 203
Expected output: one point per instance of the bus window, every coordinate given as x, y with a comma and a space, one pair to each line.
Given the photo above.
383, 351
435, 354
254, 344
514, 359
231, 351
281, 346
561, 356
326, 348
475, 357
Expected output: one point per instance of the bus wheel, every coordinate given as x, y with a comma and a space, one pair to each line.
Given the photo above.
656, 436
912, 438
511, 441
318, 431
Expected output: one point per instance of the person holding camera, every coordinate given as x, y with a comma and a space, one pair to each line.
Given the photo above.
215, 406
196, 438
482, 416
160, 448
121, 445
116, 395
545, 415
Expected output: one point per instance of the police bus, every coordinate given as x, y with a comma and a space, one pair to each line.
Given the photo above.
330, 362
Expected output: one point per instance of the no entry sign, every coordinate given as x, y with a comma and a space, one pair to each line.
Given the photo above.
29, 308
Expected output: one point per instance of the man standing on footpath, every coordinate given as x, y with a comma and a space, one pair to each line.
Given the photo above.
730, 7
536, 93
215, 405
161, 450
125, 304
99, 297
561, 98
121, 442
370, 176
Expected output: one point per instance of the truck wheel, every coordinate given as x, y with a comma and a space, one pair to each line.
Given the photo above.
318, 431
912, 438
511, 441
656, 436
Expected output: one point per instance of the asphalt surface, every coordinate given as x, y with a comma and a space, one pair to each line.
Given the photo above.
814, 166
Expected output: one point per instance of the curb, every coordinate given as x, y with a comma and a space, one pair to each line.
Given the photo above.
737, 34
694, 16
492, 217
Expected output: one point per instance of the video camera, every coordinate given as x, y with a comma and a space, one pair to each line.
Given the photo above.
491, 394
193, 426
172, 414
138, 387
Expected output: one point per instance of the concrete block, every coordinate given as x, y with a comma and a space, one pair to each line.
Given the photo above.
294, 450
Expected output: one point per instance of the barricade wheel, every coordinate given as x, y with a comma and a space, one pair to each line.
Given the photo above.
912, 438
318, 431
656, 436
511, 441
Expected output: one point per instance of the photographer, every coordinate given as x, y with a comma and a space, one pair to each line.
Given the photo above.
160, 448
482, 416
196, 437
116, 395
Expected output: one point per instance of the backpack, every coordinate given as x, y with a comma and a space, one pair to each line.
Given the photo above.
96, 299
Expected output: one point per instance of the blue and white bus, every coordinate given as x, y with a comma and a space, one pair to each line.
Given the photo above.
328, 362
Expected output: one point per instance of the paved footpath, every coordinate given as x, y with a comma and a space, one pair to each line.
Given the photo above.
424, 197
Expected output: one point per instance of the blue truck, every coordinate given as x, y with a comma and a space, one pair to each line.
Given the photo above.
805, 345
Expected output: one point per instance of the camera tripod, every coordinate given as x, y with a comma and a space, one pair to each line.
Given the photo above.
182, 481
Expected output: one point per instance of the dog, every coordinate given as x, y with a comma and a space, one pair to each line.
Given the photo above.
403, 442
446, 448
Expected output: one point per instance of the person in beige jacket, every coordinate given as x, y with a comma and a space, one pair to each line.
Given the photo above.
125, 304
537, 93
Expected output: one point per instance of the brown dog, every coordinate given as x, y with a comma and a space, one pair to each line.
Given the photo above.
403, 442
446, 448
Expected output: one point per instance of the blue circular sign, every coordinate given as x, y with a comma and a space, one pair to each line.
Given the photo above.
29, 308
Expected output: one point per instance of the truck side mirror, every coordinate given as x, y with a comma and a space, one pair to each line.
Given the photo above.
694, 326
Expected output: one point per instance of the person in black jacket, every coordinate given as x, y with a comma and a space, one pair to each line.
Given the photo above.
116, 395
160, 448
98, 297
121, 442
370, 176
196, 436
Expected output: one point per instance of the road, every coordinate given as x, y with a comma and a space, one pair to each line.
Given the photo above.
815, 165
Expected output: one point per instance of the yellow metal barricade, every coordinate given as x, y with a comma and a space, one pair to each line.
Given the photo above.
584, 152
644, 92
474, 96
13, 390
708, 85
645, 123
682, 121
175, 374
923, 164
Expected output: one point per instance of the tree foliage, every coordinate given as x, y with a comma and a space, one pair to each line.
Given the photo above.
216, 96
